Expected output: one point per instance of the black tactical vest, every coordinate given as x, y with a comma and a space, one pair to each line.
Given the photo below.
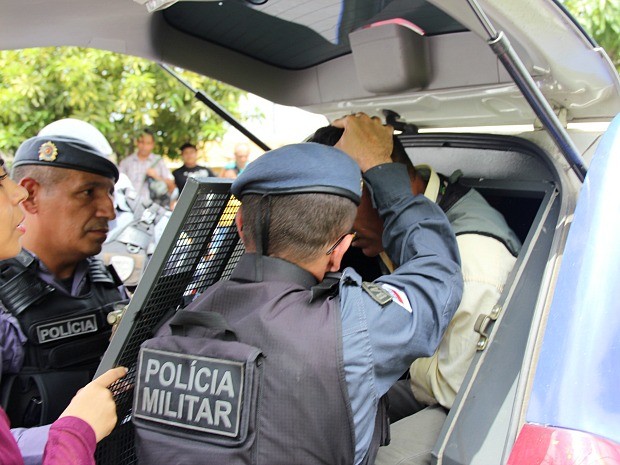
301, 411
67, 336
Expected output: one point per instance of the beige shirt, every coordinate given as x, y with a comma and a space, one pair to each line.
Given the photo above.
486, 264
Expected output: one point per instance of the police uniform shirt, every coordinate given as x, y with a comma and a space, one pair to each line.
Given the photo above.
75, 286
381, 340
388, 323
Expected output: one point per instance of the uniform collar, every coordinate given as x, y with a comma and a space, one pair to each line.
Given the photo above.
274, 269
79, 280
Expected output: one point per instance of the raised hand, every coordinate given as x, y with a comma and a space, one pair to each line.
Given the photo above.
365, 139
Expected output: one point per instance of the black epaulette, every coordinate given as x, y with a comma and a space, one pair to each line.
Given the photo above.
377, 293
20, 287
99, 273
326, 288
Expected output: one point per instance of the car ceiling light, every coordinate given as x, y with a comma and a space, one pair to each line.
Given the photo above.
156, 5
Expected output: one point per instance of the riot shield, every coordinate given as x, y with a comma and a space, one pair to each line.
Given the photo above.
199, 247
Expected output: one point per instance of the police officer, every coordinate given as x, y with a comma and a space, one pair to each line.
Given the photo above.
57, 292
139, 223
332, 344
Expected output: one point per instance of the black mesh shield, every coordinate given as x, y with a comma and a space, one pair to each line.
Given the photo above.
199, 246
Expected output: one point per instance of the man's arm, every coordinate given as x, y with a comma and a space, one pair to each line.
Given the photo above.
427, 285
162, 173
179, 178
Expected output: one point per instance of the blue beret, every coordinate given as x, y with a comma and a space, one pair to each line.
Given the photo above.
64, 152
301, 169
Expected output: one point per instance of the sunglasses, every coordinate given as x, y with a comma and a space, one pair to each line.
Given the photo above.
340, 239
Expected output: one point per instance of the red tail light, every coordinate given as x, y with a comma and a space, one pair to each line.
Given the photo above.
544, 445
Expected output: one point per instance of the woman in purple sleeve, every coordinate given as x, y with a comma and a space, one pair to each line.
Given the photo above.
91, 415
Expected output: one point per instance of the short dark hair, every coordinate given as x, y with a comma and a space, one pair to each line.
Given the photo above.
301, 226
146, 132
327, 135
188, 145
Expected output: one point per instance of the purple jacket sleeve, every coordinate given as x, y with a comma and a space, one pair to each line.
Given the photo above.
71, 442
9, 452
12, 341
31, 442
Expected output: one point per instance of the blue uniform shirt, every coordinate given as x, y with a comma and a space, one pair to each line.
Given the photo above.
380, 342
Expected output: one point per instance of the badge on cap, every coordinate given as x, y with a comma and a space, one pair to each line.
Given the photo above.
48, 151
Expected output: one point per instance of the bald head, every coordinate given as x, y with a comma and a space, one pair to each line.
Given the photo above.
242, 153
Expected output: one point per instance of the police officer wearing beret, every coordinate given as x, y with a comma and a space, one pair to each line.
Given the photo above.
332, 344
54, 291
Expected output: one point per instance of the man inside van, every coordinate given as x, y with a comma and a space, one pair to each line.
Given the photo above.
488, 248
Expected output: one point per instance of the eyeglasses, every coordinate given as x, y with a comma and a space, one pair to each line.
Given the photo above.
340, 239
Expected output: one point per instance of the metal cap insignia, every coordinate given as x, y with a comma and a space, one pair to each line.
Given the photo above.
48, 151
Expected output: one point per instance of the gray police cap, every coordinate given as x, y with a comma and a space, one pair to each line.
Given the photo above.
64, 152
301, 169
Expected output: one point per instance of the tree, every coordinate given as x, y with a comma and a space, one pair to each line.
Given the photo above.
601, 19
118, 94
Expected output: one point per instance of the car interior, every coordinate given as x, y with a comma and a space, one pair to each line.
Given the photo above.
525, 190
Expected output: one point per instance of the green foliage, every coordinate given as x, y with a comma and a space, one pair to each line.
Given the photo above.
601, 19
118, 94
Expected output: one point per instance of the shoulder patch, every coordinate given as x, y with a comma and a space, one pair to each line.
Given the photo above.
398, 296
377, 293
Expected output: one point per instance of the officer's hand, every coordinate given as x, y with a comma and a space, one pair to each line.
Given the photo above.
95, 405
365, 139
